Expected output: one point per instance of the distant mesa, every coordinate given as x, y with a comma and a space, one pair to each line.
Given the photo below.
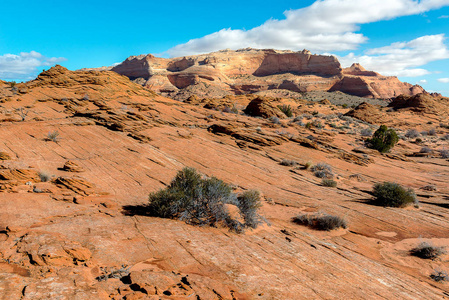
248, 71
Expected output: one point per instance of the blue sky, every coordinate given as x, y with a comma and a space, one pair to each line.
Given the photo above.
406, 38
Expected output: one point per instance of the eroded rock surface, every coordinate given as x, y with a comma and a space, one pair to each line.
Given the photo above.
85, 236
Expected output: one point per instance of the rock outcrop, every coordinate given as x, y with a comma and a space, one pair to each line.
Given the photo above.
423, 102
248, 71
88, 235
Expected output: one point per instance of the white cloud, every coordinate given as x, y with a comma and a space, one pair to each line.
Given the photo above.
443, 17
422, 81
443, 80
24, 66
403, 58
326, 25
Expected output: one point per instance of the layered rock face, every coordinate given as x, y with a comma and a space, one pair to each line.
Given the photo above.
249, 71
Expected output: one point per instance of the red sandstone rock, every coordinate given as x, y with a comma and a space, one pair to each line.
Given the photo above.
249, 71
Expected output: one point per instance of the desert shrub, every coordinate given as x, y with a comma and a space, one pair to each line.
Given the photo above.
430, 188
439, 275
288, 162
330, 117
392, 195
308, 165
328, 182
286, 109
226, 109
53, 136
86, 97
344, 105
249, 203
445, 137
297, 119
425, 150
307, 116
366, 132
427, 251
432, 131
412, 133
308, 125
232, 110
44, 176
317, 124
322, 170
383, 139
320, 221
275, 120
201, 201
444, 153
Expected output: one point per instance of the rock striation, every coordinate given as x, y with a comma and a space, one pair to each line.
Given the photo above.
248, 71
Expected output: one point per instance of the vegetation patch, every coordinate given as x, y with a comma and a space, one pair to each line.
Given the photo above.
392, 195
427, 251
383, 139
200, 200
328, 182
288, 162
320, 221
286, 109
322, 170
439, 275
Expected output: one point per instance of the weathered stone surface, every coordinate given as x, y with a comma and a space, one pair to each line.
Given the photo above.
263, 107
366, 112
91, 247
71, 166
422, 102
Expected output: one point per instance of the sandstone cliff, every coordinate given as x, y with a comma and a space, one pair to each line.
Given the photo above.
250, 70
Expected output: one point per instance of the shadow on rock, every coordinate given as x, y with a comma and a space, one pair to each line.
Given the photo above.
136, 210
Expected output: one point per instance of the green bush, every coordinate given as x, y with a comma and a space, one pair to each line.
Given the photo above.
383, 139
392, 195
201, 201
286, 109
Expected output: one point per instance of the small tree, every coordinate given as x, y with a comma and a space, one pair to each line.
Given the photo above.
383, 139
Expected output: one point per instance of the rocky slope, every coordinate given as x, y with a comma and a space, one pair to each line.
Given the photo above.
80, 151
249, 71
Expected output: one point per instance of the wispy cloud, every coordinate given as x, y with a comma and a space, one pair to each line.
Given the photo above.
326, 25
443, 80
403, 58
25, 65
443, 17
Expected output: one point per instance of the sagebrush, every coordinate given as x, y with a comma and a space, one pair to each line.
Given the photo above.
202, 200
